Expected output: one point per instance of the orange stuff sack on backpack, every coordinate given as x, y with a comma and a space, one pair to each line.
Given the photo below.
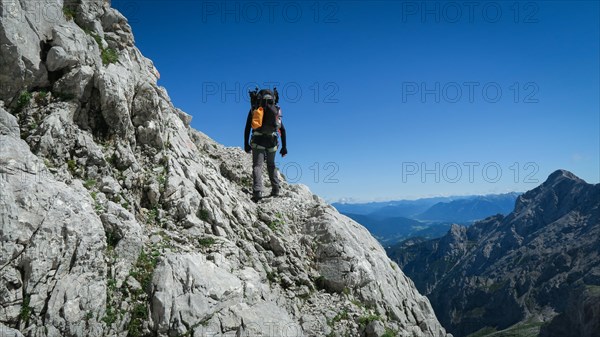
257, 118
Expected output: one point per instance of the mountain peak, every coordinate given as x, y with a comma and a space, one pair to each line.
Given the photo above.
560, 175
560, 186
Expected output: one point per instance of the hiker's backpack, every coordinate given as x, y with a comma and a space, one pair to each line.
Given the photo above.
266, 118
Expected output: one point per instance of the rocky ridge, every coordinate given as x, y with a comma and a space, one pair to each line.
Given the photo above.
539, 266
118, 219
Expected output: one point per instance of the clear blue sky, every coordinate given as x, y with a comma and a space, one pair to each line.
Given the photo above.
378, 92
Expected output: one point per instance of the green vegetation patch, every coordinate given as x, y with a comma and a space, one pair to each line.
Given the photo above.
142, 272
41, 97
204, 215
206, 241
69, 13
23, 101
365, 320
144, 267
277, 223
109, 56
26, 310
89, 183
389, 333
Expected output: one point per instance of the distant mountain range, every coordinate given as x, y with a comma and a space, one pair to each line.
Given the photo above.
389, 231
389, 209
394, 221
470, 209
533, 272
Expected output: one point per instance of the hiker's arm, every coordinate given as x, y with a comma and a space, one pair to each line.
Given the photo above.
247, 131
283, 138
283, 141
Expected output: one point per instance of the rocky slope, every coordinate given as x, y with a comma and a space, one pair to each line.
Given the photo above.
537, 264
118, 219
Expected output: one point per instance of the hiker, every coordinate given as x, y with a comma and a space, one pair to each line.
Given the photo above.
264, 119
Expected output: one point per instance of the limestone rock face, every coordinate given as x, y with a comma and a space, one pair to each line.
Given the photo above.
53, 264
117, 218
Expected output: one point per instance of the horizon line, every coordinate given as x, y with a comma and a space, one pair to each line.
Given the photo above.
351, 200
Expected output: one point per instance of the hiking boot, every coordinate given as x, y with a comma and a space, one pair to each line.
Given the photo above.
256, 196
275, 192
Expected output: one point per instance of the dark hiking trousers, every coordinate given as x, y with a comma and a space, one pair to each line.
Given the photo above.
258, 157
